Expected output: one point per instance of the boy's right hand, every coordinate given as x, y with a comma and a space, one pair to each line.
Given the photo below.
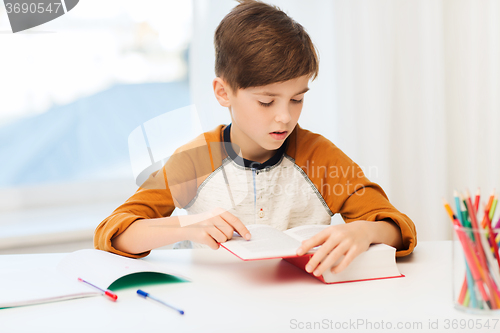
214, 227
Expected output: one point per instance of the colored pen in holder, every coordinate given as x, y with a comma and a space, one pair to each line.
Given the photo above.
476, 271
476, 257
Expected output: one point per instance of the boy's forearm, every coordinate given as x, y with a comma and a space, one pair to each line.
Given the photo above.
148, 234
386, 232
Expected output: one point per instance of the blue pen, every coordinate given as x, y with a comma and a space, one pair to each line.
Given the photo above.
147, 295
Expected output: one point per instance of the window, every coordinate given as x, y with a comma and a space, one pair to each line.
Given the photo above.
72, 91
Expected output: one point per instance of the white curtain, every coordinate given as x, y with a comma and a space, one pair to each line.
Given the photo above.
409, 89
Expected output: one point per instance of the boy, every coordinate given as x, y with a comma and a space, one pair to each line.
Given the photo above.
263, 167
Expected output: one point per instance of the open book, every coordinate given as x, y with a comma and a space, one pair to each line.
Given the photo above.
59, 280
378, 262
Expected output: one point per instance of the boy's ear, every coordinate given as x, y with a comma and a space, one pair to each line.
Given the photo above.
221, 90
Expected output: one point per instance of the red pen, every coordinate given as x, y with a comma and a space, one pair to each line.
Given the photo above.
111, 295
476, 202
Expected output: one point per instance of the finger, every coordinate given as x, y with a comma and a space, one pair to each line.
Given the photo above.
210, 241
331, 259
321, 254
217, 235
215, 216
236, 224
224, 227
349, 257
315, 240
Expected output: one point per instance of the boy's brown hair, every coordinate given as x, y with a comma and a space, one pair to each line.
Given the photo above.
258, 44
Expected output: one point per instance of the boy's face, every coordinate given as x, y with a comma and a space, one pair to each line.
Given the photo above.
262, 117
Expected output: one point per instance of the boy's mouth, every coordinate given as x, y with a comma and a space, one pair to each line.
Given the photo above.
279, 135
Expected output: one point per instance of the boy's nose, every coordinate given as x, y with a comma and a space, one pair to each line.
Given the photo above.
283, 115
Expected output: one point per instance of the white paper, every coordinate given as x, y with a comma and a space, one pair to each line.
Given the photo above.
33, 282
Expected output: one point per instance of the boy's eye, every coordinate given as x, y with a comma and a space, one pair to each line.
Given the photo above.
292, 100
266, 104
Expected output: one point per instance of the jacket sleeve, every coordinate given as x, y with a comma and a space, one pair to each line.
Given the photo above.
152, 200
347, 191
362, 199
370, 203
174, 185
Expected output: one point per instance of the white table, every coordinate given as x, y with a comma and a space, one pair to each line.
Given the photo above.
229, 295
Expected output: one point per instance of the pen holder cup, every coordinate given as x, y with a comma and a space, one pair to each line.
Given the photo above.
476, 270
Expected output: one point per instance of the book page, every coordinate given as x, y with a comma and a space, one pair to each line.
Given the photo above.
266, 242
305, 231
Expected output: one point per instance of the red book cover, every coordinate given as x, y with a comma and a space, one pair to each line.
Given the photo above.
301, 262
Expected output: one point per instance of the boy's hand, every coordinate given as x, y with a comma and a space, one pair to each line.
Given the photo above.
215, 227
350, 239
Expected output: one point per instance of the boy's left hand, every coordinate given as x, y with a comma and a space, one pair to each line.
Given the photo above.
350, 239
